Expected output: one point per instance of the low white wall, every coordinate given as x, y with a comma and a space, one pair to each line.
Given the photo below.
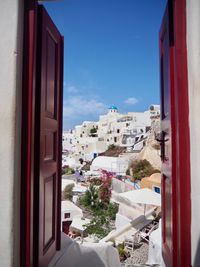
111, 236
120, 186
73, 213
11, 26
131, 211
193, 46
121, 221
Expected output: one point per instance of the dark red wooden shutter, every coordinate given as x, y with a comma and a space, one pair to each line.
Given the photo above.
168, 138
48, 135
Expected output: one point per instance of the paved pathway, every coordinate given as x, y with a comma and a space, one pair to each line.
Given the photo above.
69, 177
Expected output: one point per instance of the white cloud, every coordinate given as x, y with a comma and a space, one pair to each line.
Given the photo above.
72, 89
76, 106
131, 101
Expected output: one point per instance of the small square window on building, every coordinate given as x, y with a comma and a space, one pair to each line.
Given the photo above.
67, 215
156, 189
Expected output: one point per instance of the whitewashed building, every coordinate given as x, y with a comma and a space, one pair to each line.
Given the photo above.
68, 141
126, 130
117, 165
69, 211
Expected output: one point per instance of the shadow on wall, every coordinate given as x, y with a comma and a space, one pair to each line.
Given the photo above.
73, 254
18, 53
197, 256
79, 258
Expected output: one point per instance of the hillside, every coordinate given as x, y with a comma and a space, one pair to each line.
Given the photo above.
151, 154
151, 151
113, 151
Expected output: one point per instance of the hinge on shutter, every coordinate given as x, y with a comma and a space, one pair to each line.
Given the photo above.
161, 139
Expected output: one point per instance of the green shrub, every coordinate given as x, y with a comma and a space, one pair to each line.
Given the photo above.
102, 216
103, 213
93, 130
123, 254
111, 146
112, 210
99, 225
67, 192
68, 170
95, 181
141, 169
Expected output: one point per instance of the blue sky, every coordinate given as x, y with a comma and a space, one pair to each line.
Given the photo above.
111, 55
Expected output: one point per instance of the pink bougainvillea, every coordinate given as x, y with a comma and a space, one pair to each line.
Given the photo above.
105, 188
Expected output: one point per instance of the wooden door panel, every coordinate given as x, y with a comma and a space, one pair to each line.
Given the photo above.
168, 139
50, 145
49, 128
51, 66
49, 211
176, 194
167, 192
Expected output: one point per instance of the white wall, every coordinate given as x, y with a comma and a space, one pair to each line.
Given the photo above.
68, 141
110, 164
72, 209
193, 46
10, 86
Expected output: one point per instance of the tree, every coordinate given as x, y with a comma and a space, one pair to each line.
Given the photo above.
90, 199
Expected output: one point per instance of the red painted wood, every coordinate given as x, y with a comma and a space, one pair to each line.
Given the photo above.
30, 86
60, 129
48, 141
183, 136
175, 191
65, 227
29, 249
168, 127
30, 8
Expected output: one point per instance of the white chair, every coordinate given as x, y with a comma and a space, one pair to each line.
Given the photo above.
145, 233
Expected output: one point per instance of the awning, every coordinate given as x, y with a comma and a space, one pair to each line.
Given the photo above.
142, 196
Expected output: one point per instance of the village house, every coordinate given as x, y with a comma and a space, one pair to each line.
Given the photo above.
153, 182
